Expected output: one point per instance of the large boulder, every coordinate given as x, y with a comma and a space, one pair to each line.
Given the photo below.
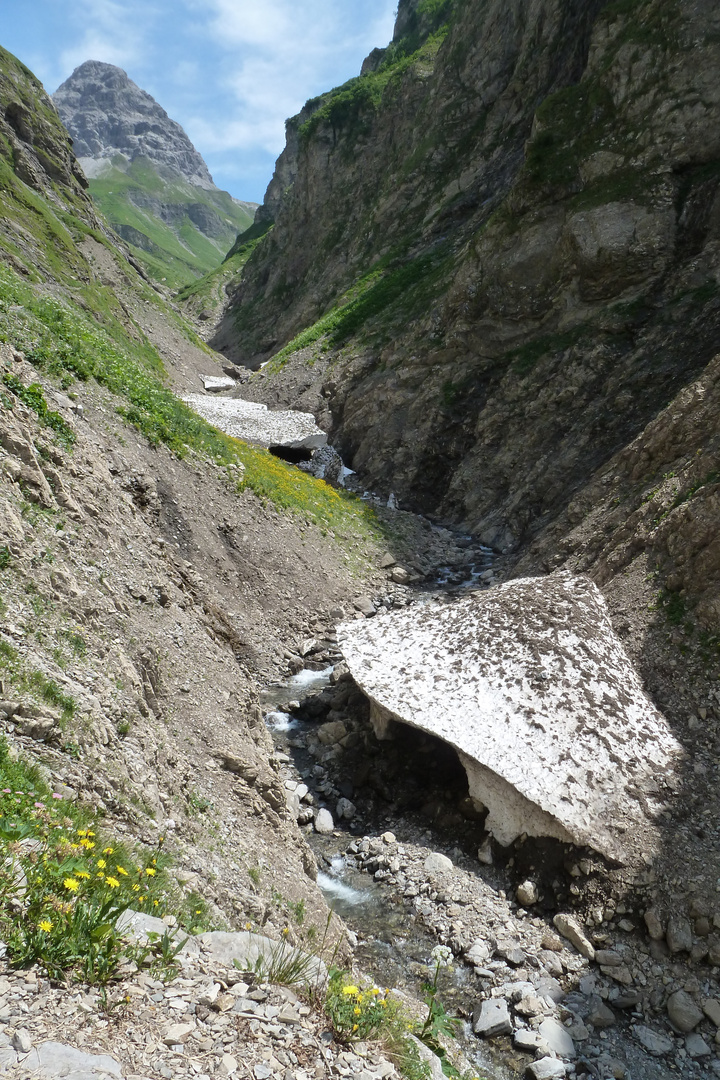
534, 690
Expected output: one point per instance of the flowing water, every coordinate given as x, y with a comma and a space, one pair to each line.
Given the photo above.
391, 945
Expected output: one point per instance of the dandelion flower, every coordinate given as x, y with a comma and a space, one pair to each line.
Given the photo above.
82, 874
348, 990
121, 870
136, 888
150, 872
45, 925
107, 851
71, 883
101, 864
357, 1010
355, 1027
112, 882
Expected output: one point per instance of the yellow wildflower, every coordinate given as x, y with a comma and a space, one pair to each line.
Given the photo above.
136, 888
82, 874
357, 1010
150, 872
45, 925
71, 884
107, 851
355, 1027
101, 864
112, 882
248, 926
122, 871
348, 990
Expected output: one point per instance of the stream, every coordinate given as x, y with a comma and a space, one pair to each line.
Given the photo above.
391, 945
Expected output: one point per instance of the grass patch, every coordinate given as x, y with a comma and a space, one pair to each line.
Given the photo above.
34, 398
524, 358
350, 108
391, 283
35, 683
66, 344
69, 884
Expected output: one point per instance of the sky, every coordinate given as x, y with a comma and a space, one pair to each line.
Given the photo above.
229, 71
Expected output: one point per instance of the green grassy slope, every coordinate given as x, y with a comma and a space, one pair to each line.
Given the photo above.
176, 230
73, 328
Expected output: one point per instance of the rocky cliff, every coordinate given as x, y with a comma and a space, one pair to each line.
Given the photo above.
496, 263
146, 176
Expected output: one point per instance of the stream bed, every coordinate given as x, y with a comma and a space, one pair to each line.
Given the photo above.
391, 945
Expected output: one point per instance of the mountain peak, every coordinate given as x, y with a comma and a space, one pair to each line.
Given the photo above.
108, 115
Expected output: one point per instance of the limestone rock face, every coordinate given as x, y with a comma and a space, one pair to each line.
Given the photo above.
108, 114
531, 686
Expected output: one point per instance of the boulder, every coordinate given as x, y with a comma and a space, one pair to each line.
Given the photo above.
492, 1018
683, 1012
324, 823
54, 1059
255, 950
437, 863
532, 687
546, 1068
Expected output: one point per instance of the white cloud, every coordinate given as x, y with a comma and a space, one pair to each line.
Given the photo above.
114, 31
278, 55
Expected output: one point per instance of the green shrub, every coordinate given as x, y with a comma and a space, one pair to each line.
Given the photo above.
68, 883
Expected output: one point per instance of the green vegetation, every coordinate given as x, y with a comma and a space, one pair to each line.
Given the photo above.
525, 357
70, 883
396, 282
33, 397
131, 199
35, 683
211, 288
349, 108
62, 342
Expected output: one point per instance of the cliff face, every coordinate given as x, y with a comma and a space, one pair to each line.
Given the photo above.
500, 254
146, 176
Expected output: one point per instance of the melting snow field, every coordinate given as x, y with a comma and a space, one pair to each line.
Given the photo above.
255, 423
532, 687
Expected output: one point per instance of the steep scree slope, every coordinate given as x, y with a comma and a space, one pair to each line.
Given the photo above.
146, 176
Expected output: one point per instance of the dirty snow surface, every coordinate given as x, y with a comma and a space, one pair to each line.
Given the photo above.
530, 684
255, 423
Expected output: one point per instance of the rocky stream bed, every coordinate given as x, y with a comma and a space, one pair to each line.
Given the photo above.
562, 966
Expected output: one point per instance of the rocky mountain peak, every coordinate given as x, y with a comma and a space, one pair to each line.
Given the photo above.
108, 115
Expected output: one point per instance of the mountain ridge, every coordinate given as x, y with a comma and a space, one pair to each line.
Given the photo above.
146, 176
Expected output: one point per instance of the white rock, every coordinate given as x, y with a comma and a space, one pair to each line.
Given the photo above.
571, 929
527, 893
216, 383
53, 1060
547, 1068
557, 1038
21, 1041
225, 947
492, 1018
437, 863
532, 687
324, 823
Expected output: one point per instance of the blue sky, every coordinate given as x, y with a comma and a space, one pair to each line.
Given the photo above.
229, 71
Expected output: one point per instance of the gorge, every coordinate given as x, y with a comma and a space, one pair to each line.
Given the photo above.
485, 675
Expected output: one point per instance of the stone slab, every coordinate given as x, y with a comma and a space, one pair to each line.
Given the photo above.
530, 684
